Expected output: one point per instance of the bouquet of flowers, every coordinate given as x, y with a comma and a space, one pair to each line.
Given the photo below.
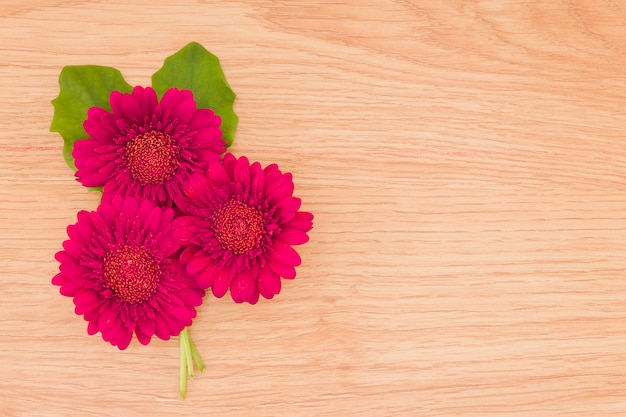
179, 215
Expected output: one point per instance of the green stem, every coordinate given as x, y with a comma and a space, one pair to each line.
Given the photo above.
188, 354
188, 357
183, 368
196, 356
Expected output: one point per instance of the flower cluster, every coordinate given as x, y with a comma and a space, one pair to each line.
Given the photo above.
178, 217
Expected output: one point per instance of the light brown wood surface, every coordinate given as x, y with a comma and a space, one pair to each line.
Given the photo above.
466, 165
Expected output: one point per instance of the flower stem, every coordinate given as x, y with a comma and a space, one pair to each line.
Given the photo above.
188, 357
196, 356
183, 368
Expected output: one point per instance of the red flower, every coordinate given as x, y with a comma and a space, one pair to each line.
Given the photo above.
121, 266
241, 222
146, 148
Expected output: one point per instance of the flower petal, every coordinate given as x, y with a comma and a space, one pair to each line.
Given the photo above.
160, 328
92, 327
148, 101
184, 111
210, 135
206, 276
129, 208
86, 300
191, 297
243, 287
287, 208
234, 292
122, 339
196, 186
108, 320
242, 172
284, 270
257, 177
72, 286
188, 253
179, 312
59, 279
204, 118
292, 236
96, 113
217, 173
143, 338
146, 327
285, 254
302, 220
181, 232
221, 282
269, 282
197, 263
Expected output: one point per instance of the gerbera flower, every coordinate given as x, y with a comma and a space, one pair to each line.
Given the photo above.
239, 226
121, 267
146, 148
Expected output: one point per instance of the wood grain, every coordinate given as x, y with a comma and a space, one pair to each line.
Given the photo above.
466, 164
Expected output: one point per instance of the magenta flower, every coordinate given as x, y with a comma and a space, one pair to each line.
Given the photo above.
145, 148
121, 267
239, 227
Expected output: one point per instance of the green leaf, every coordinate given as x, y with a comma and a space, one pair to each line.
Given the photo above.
82, 87
196, 69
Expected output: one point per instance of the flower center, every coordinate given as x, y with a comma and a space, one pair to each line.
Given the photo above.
131, 273
152, 157
238, 227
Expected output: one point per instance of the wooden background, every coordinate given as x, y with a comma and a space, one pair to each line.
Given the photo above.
466, 164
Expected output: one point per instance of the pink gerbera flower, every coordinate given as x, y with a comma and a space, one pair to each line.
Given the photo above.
121, 266
146, 148
239, 227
